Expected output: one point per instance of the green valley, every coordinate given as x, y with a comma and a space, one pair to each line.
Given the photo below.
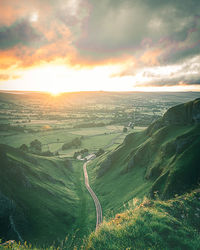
100, 124
145, 177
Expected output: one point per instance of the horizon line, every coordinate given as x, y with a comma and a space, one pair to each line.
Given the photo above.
93, 91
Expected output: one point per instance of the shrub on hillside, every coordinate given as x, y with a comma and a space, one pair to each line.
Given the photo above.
36, 146
125, 130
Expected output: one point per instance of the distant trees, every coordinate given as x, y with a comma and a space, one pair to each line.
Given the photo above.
83, 153
90, 125
74, 143
35, 147
7, 127
16, 128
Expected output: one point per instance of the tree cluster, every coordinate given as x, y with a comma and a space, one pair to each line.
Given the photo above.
75, 143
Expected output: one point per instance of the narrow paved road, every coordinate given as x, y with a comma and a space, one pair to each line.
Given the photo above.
96, 201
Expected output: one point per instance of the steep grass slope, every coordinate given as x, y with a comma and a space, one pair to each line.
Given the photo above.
146, 224
41, 199
152, 224
164, 159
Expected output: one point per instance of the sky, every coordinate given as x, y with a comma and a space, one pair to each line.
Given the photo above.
111, 45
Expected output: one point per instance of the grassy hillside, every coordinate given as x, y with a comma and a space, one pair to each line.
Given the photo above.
42, 199
163, 159
147, 224
152, 224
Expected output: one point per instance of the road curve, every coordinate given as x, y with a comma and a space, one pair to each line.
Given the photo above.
96, 201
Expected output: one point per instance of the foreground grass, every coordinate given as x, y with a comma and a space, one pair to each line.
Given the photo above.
146, 224
152, 224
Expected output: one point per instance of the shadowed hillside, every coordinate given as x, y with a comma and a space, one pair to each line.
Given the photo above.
39, 200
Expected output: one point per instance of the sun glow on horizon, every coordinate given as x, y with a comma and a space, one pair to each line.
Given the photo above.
56, 79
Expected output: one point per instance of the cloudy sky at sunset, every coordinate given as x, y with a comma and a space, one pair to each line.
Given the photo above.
75, 45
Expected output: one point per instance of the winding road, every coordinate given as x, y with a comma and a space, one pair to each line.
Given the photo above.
96, 201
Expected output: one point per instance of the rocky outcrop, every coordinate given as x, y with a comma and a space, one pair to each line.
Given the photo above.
187, 113
183, 114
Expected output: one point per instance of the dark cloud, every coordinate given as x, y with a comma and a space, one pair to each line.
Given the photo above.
148, 32
116, 27
185, 48
173, 81
187, 73
19, 33
109, 28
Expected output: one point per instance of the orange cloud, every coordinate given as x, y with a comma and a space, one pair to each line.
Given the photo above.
57, 45
150, 57
9, 58
57, 41
80, 61
59, 50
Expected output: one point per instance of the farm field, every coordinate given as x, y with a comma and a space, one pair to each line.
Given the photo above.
96, 119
